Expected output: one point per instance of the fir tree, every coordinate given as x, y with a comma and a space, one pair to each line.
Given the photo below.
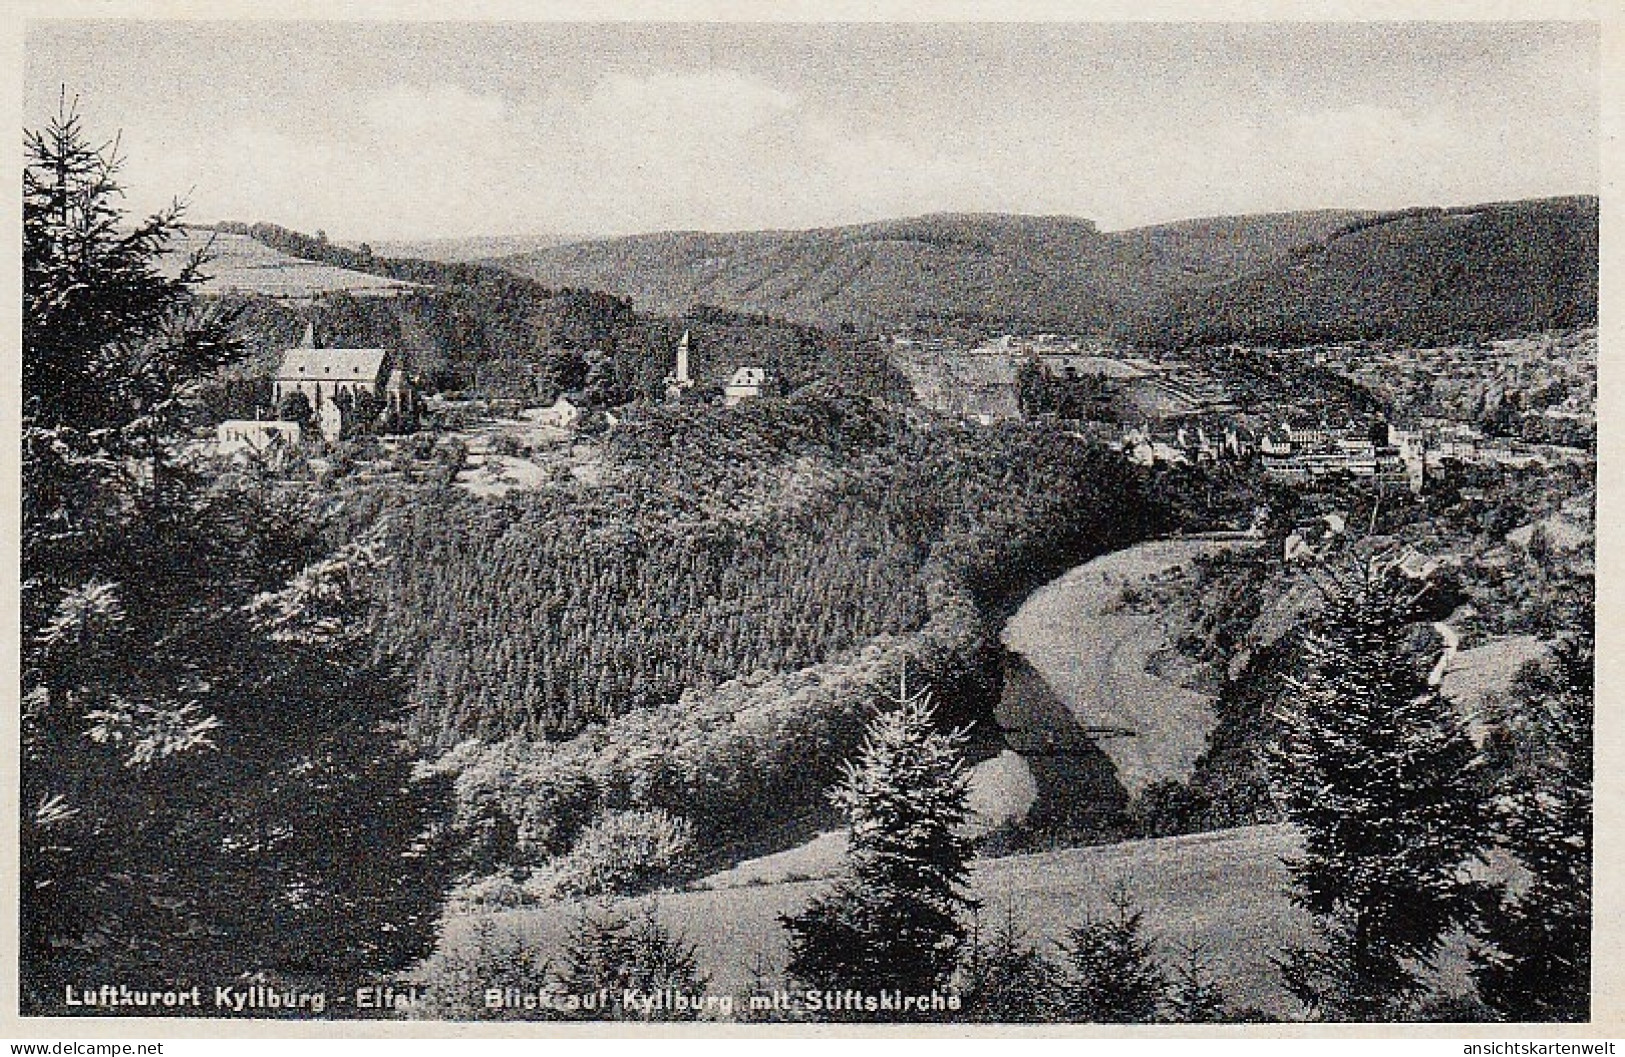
1376, 769
1194, 996
111, 342
1537, 966
1007, 979
893, 920
1113, 976
610, 949
211, 783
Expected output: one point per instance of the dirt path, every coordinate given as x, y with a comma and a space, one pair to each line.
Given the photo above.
1094, 662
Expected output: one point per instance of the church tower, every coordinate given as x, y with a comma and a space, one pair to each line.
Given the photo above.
680, 382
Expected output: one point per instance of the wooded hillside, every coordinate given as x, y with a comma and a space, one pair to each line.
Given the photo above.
1271, 278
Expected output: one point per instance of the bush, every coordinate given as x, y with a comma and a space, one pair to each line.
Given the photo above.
625, 851
1006, 979
452, 452
1194, 995
1167, 808
496, 892
421, 445
510, 445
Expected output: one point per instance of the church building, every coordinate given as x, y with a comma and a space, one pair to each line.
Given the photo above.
326, 375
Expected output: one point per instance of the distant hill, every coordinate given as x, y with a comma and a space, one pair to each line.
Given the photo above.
241, 264
1269, 277
1031, 270
463, 248
1415, 275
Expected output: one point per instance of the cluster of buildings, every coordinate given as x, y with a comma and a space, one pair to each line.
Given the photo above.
345, 389
1302, 452
746, 383
342, 386
1314, 539
1185, 443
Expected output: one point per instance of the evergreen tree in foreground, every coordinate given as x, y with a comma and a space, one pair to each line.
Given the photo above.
1538, 964
1113, 974
893, 920
1007, 979
1194, 996
619, 952
1378, 773
211, 783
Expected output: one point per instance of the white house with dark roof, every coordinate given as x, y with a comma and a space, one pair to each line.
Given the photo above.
746, 383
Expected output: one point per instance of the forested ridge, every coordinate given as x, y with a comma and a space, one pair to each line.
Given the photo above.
476, 326
1279, 279
546, 611
1416, 275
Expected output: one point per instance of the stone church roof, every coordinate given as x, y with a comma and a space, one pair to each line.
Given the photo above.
332, 365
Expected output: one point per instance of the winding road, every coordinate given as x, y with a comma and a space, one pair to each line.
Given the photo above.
1080, 663
1093, 655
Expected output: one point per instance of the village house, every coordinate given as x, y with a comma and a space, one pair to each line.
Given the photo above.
261, 438
747, 383
565, 413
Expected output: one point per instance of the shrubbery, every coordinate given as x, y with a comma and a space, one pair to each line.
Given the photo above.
625, 851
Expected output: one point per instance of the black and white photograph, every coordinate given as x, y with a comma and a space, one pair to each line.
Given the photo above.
797, 524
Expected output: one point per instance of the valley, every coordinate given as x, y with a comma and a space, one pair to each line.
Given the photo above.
632, 551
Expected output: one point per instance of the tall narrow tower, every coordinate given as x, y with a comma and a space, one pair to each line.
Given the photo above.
680, 382
682, 361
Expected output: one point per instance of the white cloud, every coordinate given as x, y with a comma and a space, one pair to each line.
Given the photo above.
673, 109
457, 135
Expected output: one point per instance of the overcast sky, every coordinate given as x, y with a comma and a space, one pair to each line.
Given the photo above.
398, 131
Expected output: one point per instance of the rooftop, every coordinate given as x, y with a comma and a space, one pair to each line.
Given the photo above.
337, 365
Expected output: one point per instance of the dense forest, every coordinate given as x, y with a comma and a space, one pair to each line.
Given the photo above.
763, 538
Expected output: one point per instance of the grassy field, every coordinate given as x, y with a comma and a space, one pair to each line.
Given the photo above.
242, 264
1223, 891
